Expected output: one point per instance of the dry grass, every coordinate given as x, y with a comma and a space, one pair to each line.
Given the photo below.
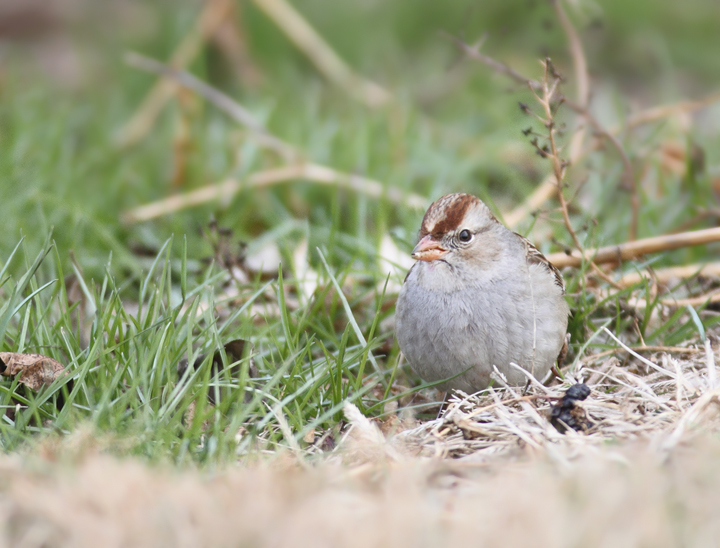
491, 470
656, 401
613, 496
644, 474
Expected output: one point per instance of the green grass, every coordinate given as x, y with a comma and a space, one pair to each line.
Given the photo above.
121, 305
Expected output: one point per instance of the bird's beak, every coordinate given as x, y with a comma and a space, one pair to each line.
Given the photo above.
428, 249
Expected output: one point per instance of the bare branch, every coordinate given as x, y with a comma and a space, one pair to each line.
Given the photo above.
663, 276
628, 180
308, 171
306, 38
225, 103
665, 111
473, 52
210, 19
632, 250
580, 68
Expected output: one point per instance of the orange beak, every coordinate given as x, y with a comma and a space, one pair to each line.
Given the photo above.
428, 249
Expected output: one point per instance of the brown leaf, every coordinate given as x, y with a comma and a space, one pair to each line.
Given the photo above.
35, 370
310, 436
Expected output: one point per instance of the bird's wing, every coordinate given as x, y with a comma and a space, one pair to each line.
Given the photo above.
534, 256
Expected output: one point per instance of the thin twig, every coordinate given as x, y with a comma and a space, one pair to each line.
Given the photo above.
663, 276
580, 67
308, 171
644, 360
632, 250
210, 19
582, 80
628, 180
306, 38
222, 101
559, 165
473, 52
667, 349
654, 114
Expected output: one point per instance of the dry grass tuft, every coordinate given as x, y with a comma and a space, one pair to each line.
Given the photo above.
621, 495
660, 401
492, 470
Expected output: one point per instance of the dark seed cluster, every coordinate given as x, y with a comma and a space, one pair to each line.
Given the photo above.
567, 414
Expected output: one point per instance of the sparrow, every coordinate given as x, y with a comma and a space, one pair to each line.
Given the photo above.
479, 297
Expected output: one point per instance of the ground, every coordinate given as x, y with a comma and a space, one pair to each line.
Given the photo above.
208, 214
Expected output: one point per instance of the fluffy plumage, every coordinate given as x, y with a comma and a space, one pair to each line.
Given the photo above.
479, 295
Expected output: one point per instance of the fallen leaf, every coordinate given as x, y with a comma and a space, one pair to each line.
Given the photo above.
35, 370
310, 436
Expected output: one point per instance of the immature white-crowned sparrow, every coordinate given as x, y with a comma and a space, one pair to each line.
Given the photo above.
479, 295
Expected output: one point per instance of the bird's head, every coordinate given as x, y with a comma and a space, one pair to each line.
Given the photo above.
457, 227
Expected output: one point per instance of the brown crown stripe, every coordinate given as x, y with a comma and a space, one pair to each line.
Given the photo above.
449, 212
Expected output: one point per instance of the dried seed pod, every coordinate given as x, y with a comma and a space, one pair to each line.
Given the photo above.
567, 413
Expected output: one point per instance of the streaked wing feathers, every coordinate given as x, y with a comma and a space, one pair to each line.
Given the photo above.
535, 257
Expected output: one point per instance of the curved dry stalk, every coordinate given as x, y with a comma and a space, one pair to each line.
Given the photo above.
211, 18
308, 171
667, 349
306, 38
665, 275
632, 250
559, 165
654, 114
222, 101
629, 182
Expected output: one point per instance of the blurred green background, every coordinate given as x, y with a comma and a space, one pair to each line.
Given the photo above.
65, 93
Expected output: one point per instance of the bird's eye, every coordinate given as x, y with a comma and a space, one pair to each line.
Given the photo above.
465, 235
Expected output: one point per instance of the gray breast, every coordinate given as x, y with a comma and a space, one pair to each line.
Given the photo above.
521, 318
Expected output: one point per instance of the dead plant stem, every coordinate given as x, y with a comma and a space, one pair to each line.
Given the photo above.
559, 165
319, 52
632, 250
217, 98
210, 19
